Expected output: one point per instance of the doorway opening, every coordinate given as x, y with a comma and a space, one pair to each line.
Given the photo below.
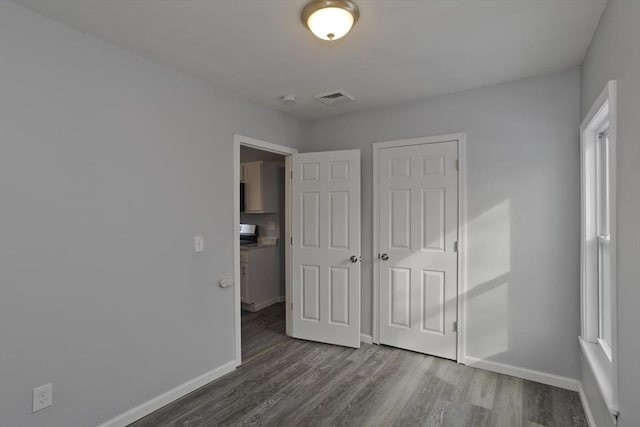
261, 255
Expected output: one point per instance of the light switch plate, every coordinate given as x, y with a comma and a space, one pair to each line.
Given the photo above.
199, 243
42, 397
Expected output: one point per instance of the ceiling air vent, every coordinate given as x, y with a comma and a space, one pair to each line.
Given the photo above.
334, 98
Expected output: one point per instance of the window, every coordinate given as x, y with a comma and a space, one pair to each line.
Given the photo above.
598, 244
603, 239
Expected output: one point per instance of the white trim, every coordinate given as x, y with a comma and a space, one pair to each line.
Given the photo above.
367, 339
172, 395
462, 231
288, 171
462, 248
604, 369
257, 306
239, 140
376, 248
237, 306
263, 145
585, 406
594, 357
605, 348
527, 374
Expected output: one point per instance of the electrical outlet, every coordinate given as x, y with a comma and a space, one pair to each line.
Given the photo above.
42, 397
271, 226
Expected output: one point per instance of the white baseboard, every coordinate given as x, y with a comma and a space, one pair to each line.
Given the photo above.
257, 306
282, 299
158, 402
367, 339
527, 374
585, 406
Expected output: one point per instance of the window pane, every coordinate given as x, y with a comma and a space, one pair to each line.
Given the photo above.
602, 185
602, 230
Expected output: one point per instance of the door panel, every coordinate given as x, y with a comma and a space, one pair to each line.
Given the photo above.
400, 297
310, 220
433, 212
433, 301
338, 226
311, 292
399, 218
339, 288
326, 234
418, 211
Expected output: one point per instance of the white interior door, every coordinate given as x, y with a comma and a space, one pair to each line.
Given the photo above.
418, 212
326, 247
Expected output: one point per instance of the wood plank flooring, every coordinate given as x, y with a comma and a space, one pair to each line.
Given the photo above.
262, 331
287, 382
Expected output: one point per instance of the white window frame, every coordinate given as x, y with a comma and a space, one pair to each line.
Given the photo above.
602, 357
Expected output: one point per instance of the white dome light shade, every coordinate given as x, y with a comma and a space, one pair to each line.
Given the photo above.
330, 19
330, 23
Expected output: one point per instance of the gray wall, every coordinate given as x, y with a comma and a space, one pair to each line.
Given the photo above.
523, 210
615, 54
109, 166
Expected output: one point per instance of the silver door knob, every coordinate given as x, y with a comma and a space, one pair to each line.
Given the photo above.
355, 259
384, 257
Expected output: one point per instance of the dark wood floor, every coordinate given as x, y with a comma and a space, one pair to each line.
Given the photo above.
287, 382
262, 331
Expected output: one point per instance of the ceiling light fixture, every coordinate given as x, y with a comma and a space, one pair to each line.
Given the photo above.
330, 19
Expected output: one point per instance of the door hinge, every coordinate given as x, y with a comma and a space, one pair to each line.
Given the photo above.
291, 306
455, 246
455, 326
291, 241
291, 174
457, 164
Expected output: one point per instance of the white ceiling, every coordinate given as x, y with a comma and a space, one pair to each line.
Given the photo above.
400, 50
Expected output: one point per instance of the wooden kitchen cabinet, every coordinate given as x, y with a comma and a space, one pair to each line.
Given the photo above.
260, 186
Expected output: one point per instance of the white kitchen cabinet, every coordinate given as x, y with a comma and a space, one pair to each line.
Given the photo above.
244, 281
259, 277
260, 186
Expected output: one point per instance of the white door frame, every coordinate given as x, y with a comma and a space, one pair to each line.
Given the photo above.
462, 231
239, 140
